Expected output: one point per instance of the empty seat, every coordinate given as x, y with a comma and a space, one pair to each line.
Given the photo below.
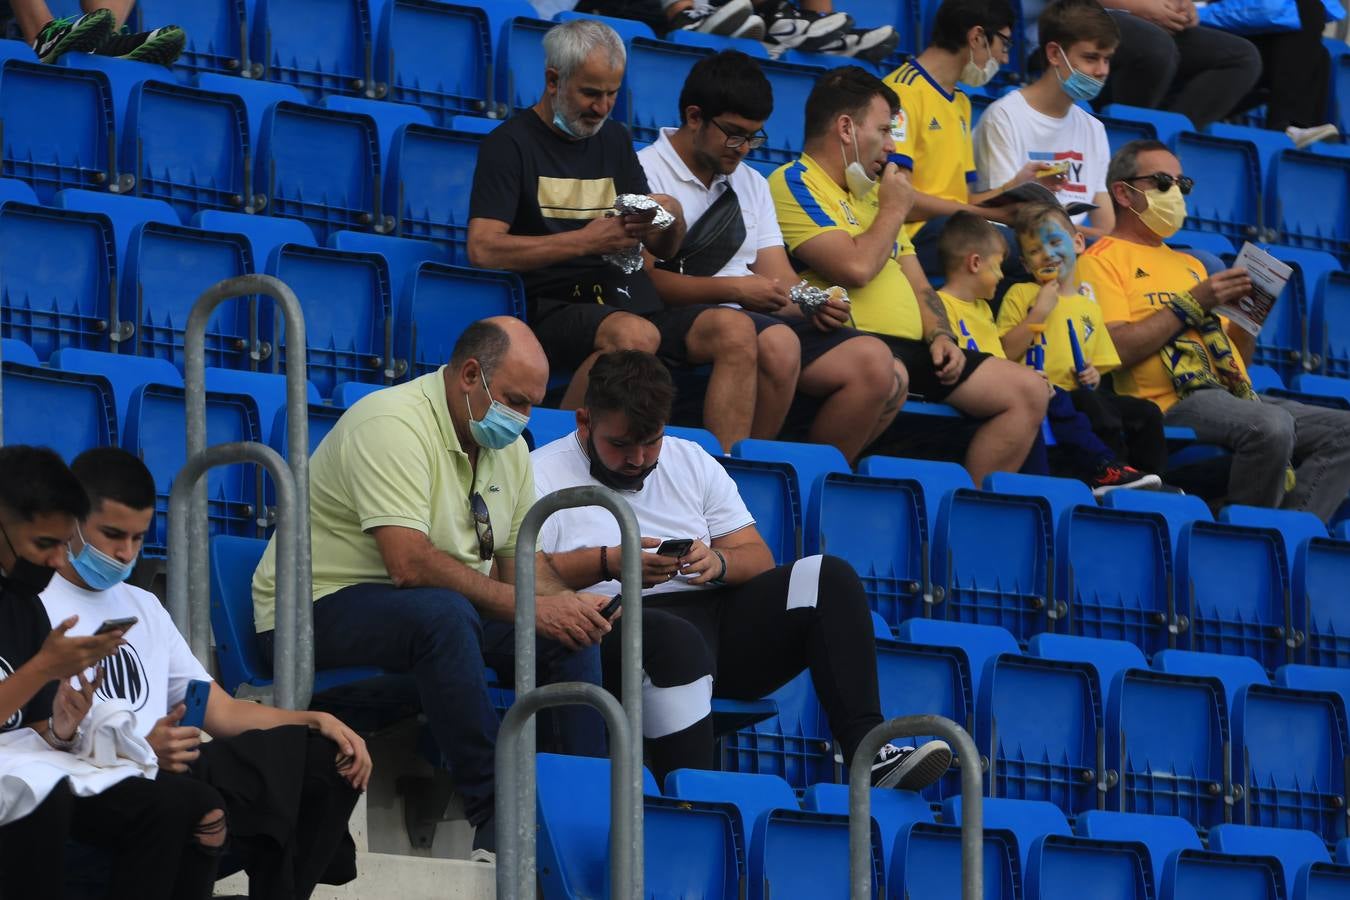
17, 351
936, 476
1163, 835
1329, 324
654, 77
347, 308
189, 147
332, 59
927, 864
1001, 582
795, 744
1177, 509
1059, 867
125, 373
52, 152
124, 76
1302, 856
1288, 340
1121, 130
88, 416
811, 462
1307, 201
430, 177
976, 644
1234, 672
1209, 241
1226, 198
217, 33
1335, 390
1232, 582
124, 213
1294, 526
1062, 494
770, 491
520, 63
1108, 658
792, 84
60, 267
892, 810
440, 301
320, 166
267, 389
1027, 820
264, 233
1315, 678
1321, 574
388, 117
435, 55
1115, 574
16, 190
402, 254
257, 97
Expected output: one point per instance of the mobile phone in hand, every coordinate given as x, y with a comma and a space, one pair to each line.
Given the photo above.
116, 625
612, 608
198, 692
675, 547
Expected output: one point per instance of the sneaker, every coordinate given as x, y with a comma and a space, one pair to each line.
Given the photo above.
706, 18
483, 856
870, 44
753, 28
790, 28
1114, 476
911, 768
83, 34
162, 46
1302, 137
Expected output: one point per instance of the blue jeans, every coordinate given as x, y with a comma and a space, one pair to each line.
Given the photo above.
440, 638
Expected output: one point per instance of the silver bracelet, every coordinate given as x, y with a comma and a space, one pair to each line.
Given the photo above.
59, 743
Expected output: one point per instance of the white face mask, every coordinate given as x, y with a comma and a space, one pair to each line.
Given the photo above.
979, 76
860, 183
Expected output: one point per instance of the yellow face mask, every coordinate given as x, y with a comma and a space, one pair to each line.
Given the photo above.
1166, 211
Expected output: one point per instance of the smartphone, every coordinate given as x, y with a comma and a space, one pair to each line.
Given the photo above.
195, 700
675, 547
612, 608
116, 624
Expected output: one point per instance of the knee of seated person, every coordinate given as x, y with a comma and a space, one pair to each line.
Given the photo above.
1272, 434
838, 578
625, 331
873, 365
729, 331
210, 831
780, 351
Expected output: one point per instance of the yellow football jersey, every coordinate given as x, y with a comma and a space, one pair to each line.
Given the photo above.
1074, 311
973, 322
933, 136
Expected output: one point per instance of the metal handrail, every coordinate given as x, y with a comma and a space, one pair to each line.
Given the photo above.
194, 618
294, 658
516, 857
860, 801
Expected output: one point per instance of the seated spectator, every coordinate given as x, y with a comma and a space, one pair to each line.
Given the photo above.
841, 207
1168, 60
733, 254
416, 496
1043, 123
1178, 353
287, 840
1131, 427
97, 31
544, 185
972, 254
932, 130
165, 831
720, 620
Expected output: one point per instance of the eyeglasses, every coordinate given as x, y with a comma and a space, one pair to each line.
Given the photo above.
482, 523
1164, 181
734, 139
1005, 38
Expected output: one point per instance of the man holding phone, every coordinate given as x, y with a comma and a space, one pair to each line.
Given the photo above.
719, 618
290, 779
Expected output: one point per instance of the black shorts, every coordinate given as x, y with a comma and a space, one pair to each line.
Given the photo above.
918, 360
815, 343
675, 323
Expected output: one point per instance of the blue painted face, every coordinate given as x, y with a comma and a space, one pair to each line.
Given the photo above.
1057, 245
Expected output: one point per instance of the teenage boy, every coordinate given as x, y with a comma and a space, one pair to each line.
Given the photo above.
1043, 123
972, 255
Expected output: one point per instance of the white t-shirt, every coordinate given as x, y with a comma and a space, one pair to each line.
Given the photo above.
667, 174
688, 495
152, 671
1011, 134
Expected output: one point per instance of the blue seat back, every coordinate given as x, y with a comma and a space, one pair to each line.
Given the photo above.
547, 425
188, 147
257, 96
811, 462
1059, 867
1330, 323
388, 118
430, 178
1315, 678
1294, 526
1309, 201
264, 233
1321, 573
936, 476
1294, 848
1026, 820
124, 373
333, 59
752, 795
50, 152
322, 418
436, 55
13, 350
1177, 509
268, 390
402, 254
12, 189
1264, 378
1163, 835
1226, 199
1166, 125
1120, 131
217, 32
920, 679
124, 213
1233, 672
1108, 658
1209, 241
792, 84
977, 644
770, 492
520, 62
441, 301
88, 415
1335, 391
1061, 493
655, 75
232, 561
927, 863
892, 810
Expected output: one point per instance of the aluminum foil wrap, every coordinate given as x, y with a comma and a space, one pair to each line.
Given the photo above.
810, 298
630, 261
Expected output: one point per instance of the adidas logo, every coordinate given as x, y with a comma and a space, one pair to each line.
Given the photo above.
1140, 273
933, 125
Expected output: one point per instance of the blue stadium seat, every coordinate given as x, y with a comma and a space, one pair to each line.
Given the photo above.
60, 268
770, 491
1234, 672
1063, 494
792, 853
319, 166
322, 418
794, 744
1039, 721
348, 311
1059, 867
267, 389
976, 645
167, 268
1108, 658
1177, 509
475, 124
701, 436
350, 392
257, 97
1329, 324
1268, 144
387, 116
917, 679
547, 425
1232, 582
893, 810
880, 526
264, 233
720, 42
1115, 575
1297, 201
1343, 530
217, 33
899, 14
1290, 336
88, 413
792, 84
16, 351
124, 213
404, 255
1295, 527
811, 462
1166, 125
927, 863
1340, 90
937, 478
332, 59
125, 373
1321, 573
627, 29
123, 76
1315, 678
54, 152
1121, 129
1027, 821
435, 55
427, 187
17, 49
1003, 582
1264, 378
12, 189
440, 301
1335, 388
1308, 869
1226, 198
520, 63
1163, 835
655, 76
1209, 241
189, 147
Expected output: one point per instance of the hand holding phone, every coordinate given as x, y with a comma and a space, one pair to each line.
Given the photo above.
198, 692
122, 624
612, 608
676, 547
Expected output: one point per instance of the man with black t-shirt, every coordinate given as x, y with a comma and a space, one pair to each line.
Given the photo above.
543, 193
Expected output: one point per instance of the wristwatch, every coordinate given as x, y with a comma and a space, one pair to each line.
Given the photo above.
67, 744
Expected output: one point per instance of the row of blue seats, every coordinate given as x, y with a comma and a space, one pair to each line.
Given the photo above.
724, 835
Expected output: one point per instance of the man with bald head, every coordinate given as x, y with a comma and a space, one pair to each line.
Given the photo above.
416, 496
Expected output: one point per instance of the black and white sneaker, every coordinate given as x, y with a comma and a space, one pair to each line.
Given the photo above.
162, 46
870, 44
725, 18
911, 768
789, 28
82, 34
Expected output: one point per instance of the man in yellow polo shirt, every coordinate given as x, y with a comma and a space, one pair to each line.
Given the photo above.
416, 496
1176, 352
841, 206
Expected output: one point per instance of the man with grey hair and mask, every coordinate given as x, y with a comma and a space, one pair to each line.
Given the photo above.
542, 205
1176, 351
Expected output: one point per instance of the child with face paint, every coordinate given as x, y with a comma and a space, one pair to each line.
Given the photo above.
972, 254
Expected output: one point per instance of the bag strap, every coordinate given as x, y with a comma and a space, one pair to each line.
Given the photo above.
710, 226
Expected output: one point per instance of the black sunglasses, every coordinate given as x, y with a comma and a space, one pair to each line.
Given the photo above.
1164, 181
735, 139
482, 523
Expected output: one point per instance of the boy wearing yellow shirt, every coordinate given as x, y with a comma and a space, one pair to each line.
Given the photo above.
1050, 244
972, 251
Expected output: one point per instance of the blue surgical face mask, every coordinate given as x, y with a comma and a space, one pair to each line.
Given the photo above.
500, 425
97, 569
1079, 85
561, 124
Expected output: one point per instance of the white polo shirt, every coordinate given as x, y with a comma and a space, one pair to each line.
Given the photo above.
667, 174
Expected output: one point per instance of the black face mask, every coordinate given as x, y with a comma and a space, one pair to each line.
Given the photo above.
612, 479
24, 577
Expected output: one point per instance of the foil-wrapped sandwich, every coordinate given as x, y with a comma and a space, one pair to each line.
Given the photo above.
630, 261
811, 299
